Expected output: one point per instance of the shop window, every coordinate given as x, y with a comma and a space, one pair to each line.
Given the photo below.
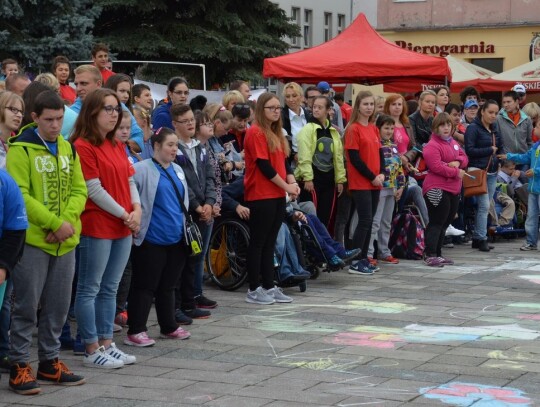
493, 64
295, 17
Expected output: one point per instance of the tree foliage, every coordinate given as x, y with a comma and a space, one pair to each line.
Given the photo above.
35, 31
231, 37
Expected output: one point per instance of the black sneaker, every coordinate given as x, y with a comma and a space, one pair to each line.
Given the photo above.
4, 364
181, 318
202, 302
56, 372
22, 380
196, 313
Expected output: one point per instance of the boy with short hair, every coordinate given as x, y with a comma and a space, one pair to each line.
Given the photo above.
49, 174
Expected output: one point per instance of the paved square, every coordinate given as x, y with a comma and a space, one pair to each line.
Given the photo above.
462, 335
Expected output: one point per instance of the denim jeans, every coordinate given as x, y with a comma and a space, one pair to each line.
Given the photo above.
101, 265
197, 262
5, 316
531, 224
482, 209
289, 264
328, 245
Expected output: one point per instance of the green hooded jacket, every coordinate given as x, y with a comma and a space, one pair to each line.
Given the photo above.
53, 188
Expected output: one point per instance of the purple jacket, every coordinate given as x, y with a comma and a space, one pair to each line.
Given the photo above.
437, 154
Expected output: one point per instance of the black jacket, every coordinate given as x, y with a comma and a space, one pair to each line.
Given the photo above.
478, 142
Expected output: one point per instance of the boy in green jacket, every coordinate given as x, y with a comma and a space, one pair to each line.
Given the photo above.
49, 174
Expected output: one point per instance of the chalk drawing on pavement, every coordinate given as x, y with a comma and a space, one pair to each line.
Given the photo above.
533, 278
472, 394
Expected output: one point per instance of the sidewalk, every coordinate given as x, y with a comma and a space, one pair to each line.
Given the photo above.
463, 335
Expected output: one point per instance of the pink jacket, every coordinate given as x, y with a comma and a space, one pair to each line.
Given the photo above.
437, 154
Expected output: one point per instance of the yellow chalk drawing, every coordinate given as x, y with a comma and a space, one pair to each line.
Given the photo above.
514, 355
505, 364
320, 364
381, 307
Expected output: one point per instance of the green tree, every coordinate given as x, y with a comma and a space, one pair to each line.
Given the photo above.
231, 37
35, 31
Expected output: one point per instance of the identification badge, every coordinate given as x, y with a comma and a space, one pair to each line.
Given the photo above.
394, 150
180, 176
456, 147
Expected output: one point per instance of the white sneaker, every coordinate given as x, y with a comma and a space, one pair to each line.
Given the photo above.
452, 231
100, 358
260, 296
117, 354
278, 295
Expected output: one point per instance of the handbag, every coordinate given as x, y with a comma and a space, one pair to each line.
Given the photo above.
193, 236
475, 181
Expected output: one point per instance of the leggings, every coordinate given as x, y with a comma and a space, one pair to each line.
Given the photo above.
440, 217
265, 219
365, 202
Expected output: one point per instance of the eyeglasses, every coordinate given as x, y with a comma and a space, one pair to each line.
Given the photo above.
111, 109
181, 92
207, 124
14, 110
184, 122
273, 108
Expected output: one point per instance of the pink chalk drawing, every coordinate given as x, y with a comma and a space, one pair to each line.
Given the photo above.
476, 395
532, 317
387, 338
533, 278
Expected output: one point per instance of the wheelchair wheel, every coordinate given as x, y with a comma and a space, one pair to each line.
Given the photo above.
226, 260
302, 286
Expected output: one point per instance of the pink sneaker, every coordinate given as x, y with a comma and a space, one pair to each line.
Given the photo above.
178, 334
141, 340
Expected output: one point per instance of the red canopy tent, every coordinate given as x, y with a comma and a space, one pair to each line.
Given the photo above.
358, 55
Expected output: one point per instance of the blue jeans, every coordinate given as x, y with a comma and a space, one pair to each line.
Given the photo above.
101, 265
289, 265
531, 224
5, 316
197, 262
328, 245
482, 209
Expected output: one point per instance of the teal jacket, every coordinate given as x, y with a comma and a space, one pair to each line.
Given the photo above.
530, 158
53, 188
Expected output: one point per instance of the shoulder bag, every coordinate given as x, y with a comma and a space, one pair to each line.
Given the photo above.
475, 181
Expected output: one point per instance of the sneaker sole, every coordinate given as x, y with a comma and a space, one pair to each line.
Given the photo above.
260, 302
206, 306
527, 249
182, 338
51, 382
26, 392
184, 323
106, 366
284, 301
359, 273
138, 345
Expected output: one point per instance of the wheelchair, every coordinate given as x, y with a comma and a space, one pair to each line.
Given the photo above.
226, 259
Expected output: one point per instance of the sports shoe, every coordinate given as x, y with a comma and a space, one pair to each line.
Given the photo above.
56, 372
527, 247
121, 318
390, 259
100, 358
140, 340
452, 231
78, 346
447, 261
278, 295
302, 275
22, 380
360, 268
5, 366
351, 255
197, 313
116, 328
117, 354
181, 318
434, 261
202, 302
260, 296
372, 261
178, 334
336, 261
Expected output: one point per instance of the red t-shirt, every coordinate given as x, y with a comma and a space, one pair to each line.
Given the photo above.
110, 164
68, 93
366, 140
346, 112
256, 185
106, 74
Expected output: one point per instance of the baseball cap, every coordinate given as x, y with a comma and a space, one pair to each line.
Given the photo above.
324, 87
470, 103
519, 88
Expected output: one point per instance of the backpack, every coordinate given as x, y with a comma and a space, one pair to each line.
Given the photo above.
407, 237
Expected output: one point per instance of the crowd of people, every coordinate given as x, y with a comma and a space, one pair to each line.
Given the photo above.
99, 186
